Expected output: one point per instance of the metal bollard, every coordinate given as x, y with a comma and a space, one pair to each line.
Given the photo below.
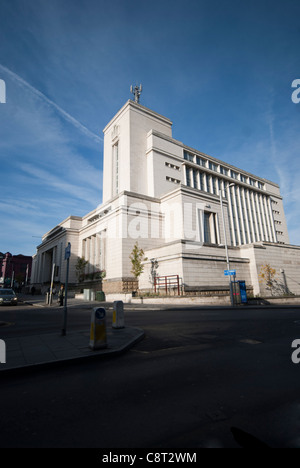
98, 337
118, 315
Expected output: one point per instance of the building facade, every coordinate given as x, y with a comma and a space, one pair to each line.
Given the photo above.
15, 270
182, 207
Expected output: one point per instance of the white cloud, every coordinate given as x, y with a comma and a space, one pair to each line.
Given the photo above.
46, 179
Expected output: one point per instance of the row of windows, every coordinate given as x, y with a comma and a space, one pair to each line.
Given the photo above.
172, 166
171, 179
251, 217
222, 170
202, 181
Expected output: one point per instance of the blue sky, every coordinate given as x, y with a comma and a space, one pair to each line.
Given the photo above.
220, 70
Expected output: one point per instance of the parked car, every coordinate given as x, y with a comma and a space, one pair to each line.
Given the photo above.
8, 296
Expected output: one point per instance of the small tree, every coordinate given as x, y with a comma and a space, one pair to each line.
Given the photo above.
80, 268
137, 258
267, 276
153, 271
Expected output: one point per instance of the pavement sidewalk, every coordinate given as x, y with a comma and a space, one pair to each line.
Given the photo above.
52, 349
33, 352
40, 301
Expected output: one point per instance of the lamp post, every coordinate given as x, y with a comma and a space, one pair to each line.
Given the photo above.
67, 257
226, 244
1, 267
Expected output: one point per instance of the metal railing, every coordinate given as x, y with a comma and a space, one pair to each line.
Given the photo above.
167, 283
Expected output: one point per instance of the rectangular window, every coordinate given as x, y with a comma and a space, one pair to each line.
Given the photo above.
171, 179
260, 185
200, 161
172, 166
195, 178
115, 167
212, 166
214, 185
207, 236
210, 228
243, 178
202, 181
208, 183
234, 175
223, 170
188, 177
188, 156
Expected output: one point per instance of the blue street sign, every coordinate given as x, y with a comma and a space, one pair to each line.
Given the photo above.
68, 251
229, 272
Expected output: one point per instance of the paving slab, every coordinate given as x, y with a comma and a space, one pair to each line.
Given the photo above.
33, 352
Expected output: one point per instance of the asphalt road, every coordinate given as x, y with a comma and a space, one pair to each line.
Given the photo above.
197, 374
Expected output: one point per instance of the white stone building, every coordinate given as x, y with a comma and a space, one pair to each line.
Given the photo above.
166, 196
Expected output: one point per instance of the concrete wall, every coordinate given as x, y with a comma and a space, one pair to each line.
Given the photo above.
280, 258
129, 128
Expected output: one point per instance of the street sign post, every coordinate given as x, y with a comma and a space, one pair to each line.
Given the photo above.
67, 257
230, 272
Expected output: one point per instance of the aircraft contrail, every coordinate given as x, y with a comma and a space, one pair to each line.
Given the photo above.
44, 98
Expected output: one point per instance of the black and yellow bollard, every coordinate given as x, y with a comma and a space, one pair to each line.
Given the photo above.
98, 336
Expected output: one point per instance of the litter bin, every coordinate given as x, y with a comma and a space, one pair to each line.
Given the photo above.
100, 296
98, 336
243, 292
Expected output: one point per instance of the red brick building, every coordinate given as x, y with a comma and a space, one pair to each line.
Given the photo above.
15, 268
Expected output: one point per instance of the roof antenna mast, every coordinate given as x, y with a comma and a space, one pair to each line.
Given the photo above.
136, 91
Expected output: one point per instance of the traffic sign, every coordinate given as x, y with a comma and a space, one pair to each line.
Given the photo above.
229, 272
68, 251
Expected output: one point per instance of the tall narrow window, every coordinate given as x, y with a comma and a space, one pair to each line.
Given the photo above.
214, 185
195, 178
115, 168
210, 234
207, 236
188, 176
202, 187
